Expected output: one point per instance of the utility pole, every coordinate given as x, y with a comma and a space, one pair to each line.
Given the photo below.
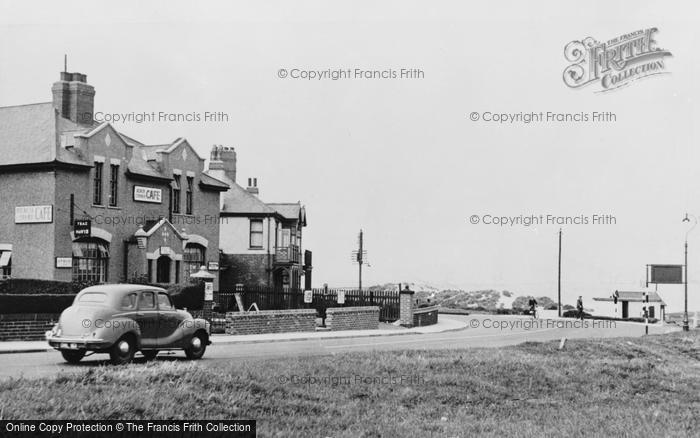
559, 277
686, 326
359, 260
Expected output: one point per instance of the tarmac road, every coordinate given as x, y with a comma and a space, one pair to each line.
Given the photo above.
481, 331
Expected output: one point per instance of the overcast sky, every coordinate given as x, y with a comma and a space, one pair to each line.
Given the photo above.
400, 158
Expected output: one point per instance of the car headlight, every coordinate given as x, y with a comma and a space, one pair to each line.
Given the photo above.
56, 330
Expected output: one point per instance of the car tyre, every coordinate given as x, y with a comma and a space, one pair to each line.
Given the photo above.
197, 347
122, 352
149, 354
73, 356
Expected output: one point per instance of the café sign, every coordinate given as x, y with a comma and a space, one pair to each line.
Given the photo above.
147, 194
34, 214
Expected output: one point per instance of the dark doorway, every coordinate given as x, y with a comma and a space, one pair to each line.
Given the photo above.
625, 309
163, 270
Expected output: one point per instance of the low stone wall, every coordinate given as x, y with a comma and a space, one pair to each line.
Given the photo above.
425, 316
352, 318
26, 326
270, 321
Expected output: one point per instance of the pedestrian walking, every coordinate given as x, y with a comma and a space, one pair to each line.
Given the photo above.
579, 307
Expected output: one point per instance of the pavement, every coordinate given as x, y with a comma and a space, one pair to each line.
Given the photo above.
445, 323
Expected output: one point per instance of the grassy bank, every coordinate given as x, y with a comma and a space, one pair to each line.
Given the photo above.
615, 387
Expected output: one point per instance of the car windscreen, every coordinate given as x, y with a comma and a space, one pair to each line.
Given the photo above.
92, 298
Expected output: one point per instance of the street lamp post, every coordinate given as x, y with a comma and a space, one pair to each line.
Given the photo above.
686, 326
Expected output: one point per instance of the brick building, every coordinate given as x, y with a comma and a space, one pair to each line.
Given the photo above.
261, 243
152, 209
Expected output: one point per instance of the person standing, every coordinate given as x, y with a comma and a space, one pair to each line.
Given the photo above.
533, 307
579, 307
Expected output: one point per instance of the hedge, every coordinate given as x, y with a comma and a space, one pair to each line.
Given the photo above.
34, 303
190, 296
48, 296
30, 286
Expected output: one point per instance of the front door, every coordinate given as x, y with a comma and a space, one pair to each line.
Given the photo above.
163, 270
625, 309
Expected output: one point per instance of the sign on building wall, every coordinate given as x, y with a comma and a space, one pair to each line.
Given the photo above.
148, 194
208, 291
213, 266
34, 214
666, 274
64, 262
82, 227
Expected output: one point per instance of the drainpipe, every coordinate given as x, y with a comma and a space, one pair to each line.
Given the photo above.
269, 263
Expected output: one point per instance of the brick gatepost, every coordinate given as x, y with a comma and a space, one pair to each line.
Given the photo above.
406, 307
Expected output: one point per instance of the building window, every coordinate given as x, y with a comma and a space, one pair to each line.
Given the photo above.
286, 237
150, 271
188, 195
256, 233
5, 264
176, 189
113, 184
177, 271
97, 185
193, 259
90, 260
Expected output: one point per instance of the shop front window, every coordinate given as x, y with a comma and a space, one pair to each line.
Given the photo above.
90, 260
193, 259
5, 264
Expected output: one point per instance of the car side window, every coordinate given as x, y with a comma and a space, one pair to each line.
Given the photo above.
164, 302
129, 302
147, 301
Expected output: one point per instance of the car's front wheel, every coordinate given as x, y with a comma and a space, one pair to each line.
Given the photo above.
72, 356
197, 346
123, 351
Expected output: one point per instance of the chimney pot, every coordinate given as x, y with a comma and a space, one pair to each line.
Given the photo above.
253, 186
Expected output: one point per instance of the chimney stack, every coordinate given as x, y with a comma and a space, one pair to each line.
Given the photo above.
74, 98
252, 186
222, 163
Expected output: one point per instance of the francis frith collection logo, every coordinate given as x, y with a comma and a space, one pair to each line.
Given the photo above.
615, 63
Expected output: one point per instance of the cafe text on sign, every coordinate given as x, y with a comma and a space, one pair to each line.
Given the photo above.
34, 214
147, 194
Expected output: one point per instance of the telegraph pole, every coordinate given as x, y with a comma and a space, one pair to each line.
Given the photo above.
559, 277
359, 260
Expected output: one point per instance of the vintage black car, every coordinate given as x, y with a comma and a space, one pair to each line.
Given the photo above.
121, 319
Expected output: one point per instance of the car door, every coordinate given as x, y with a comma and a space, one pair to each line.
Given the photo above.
168, 321
147, 318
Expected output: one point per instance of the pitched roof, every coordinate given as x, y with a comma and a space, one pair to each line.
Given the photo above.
138, 166
151, 150
237, 200
290, 211
633, 296
210, 181
27, 134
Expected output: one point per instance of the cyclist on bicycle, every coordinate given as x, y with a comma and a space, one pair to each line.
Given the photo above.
533, 307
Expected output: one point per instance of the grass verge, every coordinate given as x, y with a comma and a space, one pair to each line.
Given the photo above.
614, 387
